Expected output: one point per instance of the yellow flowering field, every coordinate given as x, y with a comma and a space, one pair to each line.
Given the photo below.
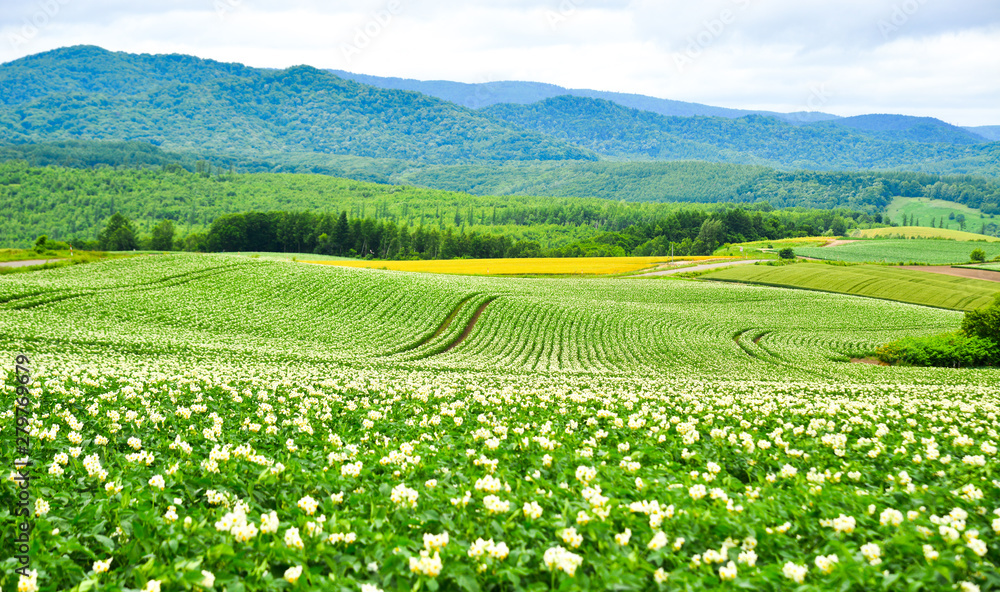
223, 423
525, 266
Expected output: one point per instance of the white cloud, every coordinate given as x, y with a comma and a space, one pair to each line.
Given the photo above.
920, 57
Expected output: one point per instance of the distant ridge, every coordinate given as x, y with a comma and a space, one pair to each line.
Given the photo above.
182, 102
301, 115
990, 132
907, 128
622, 133
485, 94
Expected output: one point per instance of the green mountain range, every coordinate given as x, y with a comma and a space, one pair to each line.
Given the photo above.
872, 142
484, 94
185, 103
230, 111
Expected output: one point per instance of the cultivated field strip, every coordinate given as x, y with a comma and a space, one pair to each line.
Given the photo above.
592, 326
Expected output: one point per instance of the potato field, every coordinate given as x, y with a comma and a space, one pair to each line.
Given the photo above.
198, 422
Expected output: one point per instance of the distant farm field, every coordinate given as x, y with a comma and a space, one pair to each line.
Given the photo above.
922, 211
929, 251
924, 232
875, 281
526, 266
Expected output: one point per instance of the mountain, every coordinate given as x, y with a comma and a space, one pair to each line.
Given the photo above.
300, 118
990, 132
619, 132
186, 103
484, 94
906, 128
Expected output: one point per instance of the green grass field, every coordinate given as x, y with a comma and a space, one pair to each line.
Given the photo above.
929, 251
994, 265
926, 210
875, 281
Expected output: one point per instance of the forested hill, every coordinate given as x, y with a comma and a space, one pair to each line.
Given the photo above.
484, 94
181, 102
65, 202
906, 128
613, 130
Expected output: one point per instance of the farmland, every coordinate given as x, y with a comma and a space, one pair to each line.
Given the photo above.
520, 266
923, 211
929, 251
923, 232
230, 423
874, 281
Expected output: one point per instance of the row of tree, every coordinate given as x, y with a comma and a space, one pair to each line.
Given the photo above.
683, 232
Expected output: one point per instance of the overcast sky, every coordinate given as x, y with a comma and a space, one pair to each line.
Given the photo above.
917, 57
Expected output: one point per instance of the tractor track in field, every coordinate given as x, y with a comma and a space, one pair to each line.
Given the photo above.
769, 357
441, 328
472, 323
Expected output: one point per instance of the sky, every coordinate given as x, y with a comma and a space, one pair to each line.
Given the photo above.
933, 58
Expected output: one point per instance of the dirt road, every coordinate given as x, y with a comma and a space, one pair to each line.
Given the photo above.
838, 242
703, 267
26, 263
979, 274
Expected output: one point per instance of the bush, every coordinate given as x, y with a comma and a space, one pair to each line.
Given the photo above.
984, 322
786, 253
978, 255
950, 349
976, 344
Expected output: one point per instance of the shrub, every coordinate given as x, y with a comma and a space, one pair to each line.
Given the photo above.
950, 349
984, 322
786, 253
976, 344
978, 255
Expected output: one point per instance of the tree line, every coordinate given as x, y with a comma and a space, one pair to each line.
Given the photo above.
682, 232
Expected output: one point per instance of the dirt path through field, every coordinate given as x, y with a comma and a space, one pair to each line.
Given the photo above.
27, 263
472, 323
704, 267
837, 243
979, 274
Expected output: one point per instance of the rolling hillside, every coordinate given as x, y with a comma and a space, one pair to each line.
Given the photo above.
897, 128
873, 281
484, 94
620, 132
185, 103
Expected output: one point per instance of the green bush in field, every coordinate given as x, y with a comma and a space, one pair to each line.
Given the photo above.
786, 253
984, 322
950, 349
976, 344
978, 255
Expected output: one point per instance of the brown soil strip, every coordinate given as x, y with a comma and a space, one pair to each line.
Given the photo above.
28, 262
441, 328
979, 274
871, 361
468, 328
837, 243
703, 267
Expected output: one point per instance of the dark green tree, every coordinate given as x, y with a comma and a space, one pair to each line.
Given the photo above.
163, 236
341, 234
118, 234
228, 233
839, 227
984, 322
